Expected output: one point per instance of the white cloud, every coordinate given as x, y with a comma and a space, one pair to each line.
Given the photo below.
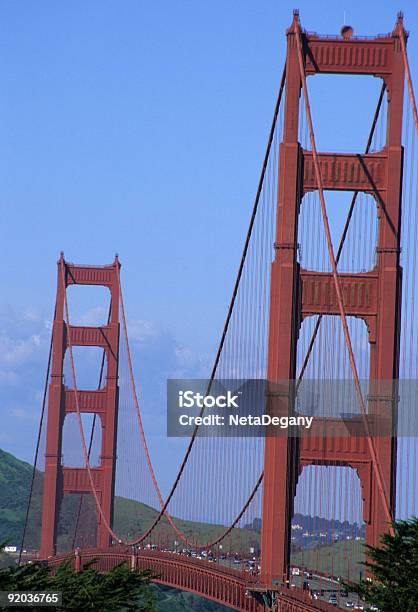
9, 378
24, 345
189, 363
12, 351
94, 316
23, 338
31, 315
140, 330
23, 414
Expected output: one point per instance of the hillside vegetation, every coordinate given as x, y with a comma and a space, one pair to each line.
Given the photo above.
130, 517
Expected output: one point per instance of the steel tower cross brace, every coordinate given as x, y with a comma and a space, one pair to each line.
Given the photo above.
296, 293
103, 402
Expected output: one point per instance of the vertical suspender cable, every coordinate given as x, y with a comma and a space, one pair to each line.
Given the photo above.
235, 290
38, 442
375, 460
408, 77
77, 520
344, 233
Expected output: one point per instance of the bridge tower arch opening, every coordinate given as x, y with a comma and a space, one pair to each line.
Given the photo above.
296, 293
65, 400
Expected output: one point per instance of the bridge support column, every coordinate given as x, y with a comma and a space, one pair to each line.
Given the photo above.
103, 402
280, 461
296, 293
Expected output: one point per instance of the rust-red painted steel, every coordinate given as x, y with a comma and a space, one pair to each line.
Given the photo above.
58, 479
210, 580
344, 232
292, 298
338, 280
280, 453
409, 78
89, 480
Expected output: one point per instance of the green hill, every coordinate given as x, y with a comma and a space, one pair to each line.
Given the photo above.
15, 478
130, 517
334, 559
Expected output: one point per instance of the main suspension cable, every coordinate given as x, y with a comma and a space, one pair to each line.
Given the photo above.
343, 235
78, 411
402, 36
141, 427
102, 365
228, 319
375, 460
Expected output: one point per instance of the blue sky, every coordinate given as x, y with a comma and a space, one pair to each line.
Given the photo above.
139, 128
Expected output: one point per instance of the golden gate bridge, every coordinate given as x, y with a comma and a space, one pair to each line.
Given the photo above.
229, 528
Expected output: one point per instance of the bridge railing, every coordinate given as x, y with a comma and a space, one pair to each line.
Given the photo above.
225, 585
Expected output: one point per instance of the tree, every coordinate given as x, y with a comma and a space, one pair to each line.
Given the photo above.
118, 589
393, 584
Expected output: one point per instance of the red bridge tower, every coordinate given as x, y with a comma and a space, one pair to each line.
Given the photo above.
59, 480
379, 174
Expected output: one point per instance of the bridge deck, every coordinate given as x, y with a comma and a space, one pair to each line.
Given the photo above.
213, 581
